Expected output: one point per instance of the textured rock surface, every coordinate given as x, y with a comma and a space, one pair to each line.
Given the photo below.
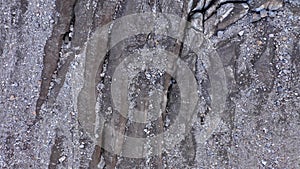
42, 49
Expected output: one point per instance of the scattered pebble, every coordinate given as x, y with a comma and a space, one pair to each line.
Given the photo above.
62, 159
101, 164
271, 5
259, 42
264, 162
275, 5
256, 17
241, 33
12, 98
220, 33
81, 146
263, 13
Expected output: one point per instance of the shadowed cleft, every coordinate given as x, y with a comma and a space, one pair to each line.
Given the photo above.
56, 153
53, 48
96, 157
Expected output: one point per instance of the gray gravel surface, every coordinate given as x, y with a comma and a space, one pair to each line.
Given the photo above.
42, 57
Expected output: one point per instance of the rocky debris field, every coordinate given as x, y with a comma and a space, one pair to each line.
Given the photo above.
43, 49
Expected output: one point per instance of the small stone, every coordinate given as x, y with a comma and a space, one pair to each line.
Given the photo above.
197, 16
263, 13
81, 146
264, 162
259, 42
220, 33
275, 5
272, 14
207, 3
101, 164
256, 17
62, 159
241, 33
271, 5
14, 84
199, 5
197, 23
12, 98
225, 11
146, 131
271, 35
230, 13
